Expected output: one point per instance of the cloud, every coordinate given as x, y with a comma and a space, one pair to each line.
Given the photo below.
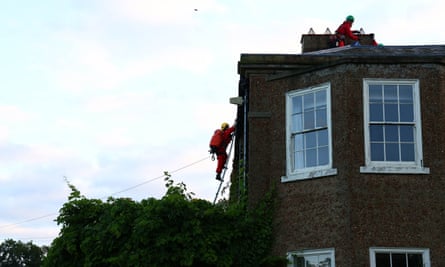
129, 173
118, 101
32, 154
14, 114
167, 12
39, 235
414, 26
112, 93
91, 65
86, 64
4, 133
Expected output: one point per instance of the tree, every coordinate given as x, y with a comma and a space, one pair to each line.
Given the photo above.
176, 230
18, 254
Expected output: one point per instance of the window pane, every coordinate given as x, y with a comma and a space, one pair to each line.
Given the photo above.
377, 152
376, 133
398, 260
391, 133
376, 112
391, 259
406, 112
308, 102
297, 123
392, 122
309, 120
297, 104
298, 152
323, 137
323, 156
325, 262
375, 93
299, 160
415, 260
320, 99
390, 94
407, 152
406, 133
382, 260
311, 140
298, 142
391, 112
321, 118
309, 129
311, 261
406, 94
311, 157
300, 262
392, 152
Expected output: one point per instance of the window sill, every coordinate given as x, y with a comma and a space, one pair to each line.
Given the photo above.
391, 169
308, 175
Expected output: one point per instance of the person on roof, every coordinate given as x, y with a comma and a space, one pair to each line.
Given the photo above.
218, 145
344, 31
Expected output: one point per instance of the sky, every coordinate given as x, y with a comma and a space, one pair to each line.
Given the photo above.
109, 94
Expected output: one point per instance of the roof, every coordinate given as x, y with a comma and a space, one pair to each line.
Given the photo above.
418, 50
342, 55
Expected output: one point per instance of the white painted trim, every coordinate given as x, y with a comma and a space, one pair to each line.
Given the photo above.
425, 253
415, 167
396, 170
309, 175
318, 171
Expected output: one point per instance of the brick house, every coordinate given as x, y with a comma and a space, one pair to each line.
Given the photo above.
353, 140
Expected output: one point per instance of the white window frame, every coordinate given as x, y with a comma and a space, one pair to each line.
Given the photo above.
312, 172
424, 251
310, 252
392, 166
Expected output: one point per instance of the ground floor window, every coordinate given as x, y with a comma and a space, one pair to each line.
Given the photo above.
312, 258
399, 257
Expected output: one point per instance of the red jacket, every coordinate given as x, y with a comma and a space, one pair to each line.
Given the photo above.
226, 138
345, 29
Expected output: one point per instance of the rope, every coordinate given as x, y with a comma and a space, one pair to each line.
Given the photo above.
115, 193
159, 177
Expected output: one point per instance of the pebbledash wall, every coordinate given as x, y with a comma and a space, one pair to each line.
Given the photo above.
353, 139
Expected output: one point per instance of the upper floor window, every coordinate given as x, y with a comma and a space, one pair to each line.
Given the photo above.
393, 134
399, 257
308, 116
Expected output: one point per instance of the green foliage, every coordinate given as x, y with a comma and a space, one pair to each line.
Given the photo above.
176, 230
238, 190
274, 261
18, 254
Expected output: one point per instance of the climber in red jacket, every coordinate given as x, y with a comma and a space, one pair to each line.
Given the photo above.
344, 30
220, 140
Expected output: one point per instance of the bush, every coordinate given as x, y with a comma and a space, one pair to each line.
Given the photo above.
176, 230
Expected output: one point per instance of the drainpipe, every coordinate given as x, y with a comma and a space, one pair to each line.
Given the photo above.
243, 101
245, 107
